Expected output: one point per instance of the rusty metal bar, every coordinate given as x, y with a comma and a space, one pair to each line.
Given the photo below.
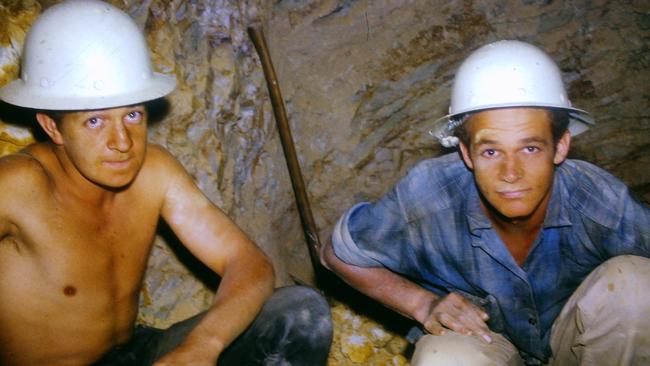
299, 190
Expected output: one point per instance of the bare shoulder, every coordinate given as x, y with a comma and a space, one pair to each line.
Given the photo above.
161, 169
23, 178
23, 171
160, 160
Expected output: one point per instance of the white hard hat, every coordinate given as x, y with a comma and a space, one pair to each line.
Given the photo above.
507, 74
85, 54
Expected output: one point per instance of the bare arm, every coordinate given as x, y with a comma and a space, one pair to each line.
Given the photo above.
6, 187
409, 299
4, 219
21, 176
246, 275
4, 227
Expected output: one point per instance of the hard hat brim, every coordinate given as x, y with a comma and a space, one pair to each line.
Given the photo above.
19, 94
579, 120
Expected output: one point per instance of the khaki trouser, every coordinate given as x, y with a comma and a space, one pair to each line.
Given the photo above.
605, 322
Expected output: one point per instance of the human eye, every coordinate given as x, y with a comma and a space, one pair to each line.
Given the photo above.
93, 122
531, 149
134, 116
489, 153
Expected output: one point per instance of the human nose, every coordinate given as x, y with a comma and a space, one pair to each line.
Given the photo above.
511, 170
120, 138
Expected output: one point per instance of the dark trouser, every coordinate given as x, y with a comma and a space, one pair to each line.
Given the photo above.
293, 328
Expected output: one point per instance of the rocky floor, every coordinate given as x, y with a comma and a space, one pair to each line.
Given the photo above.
359, 340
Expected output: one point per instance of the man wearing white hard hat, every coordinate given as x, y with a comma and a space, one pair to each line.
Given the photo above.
78, 216
507, 252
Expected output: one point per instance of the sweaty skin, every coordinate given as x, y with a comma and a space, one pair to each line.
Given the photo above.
512, 156
77, 220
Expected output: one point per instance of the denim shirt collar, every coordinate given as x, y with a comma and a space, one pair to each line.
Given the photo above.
555, 216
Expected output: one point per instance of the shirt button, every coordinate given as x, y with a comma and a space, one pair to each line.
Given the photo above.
532, 321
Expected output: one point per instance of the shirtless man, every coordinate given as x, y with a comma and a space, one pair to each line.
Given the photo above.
78, 216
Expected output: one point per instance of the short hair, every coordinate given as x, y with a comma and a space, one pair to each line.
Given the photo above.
559, 125
156, 110
57, 116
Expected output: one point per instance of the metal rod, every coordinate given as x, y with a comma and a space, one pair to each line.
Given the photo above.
299, 190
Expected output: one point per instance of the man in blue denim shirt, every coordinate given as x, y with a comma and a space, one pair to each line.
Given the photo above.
503, 254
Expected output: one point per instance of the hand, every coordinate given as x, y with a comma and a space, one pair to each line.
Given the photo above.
455, 312
184, 355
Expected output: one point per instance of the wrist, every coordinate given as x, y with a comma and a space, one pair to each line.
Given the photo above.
423, 307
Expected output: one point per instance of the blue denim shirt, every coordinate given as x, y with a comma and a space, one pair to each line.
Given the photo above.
431, 229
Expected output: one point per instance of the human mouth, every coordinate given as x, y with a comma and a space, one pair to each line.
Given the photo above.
118, 164
513, 194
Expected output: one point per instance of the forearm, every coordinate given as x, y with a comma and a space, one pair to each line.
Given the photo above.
389, 288
246, 275
245, 286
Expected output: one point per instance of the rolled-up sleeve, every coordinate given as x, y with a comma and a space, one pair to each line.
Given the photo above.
396, 231
375, 234
345, 247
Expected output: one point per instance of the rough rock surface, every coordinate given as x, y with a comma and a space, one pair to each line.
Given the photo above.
359, 340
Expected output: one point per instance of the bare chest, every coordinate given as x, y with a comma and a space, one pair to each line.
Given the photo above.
78, 243
67, 264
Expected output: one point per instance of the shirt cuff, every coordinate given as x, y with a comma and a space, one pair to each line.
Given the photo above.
344, 246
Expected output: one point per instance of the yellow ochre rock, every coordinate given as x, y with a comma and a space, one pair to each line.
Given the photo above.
357, 348
359, 340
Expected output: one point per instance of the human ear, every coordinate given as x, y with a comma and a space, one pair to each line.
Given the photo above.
464, 153
562, 148
48, 124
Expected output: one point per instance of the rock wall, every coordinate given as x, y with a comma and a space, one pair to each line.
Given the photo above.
362, 81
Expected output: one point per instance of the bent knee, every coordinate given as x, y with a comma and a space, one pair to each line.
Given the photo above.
623, 263
626, 280
305, 300
455, 349
627, 273
305, 308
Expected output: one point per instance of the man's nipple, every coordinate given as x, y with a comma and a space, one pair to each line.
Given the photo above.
69, 290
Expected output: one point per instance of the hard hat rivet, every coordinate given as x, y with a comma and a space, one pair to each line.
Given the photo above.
84, 64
